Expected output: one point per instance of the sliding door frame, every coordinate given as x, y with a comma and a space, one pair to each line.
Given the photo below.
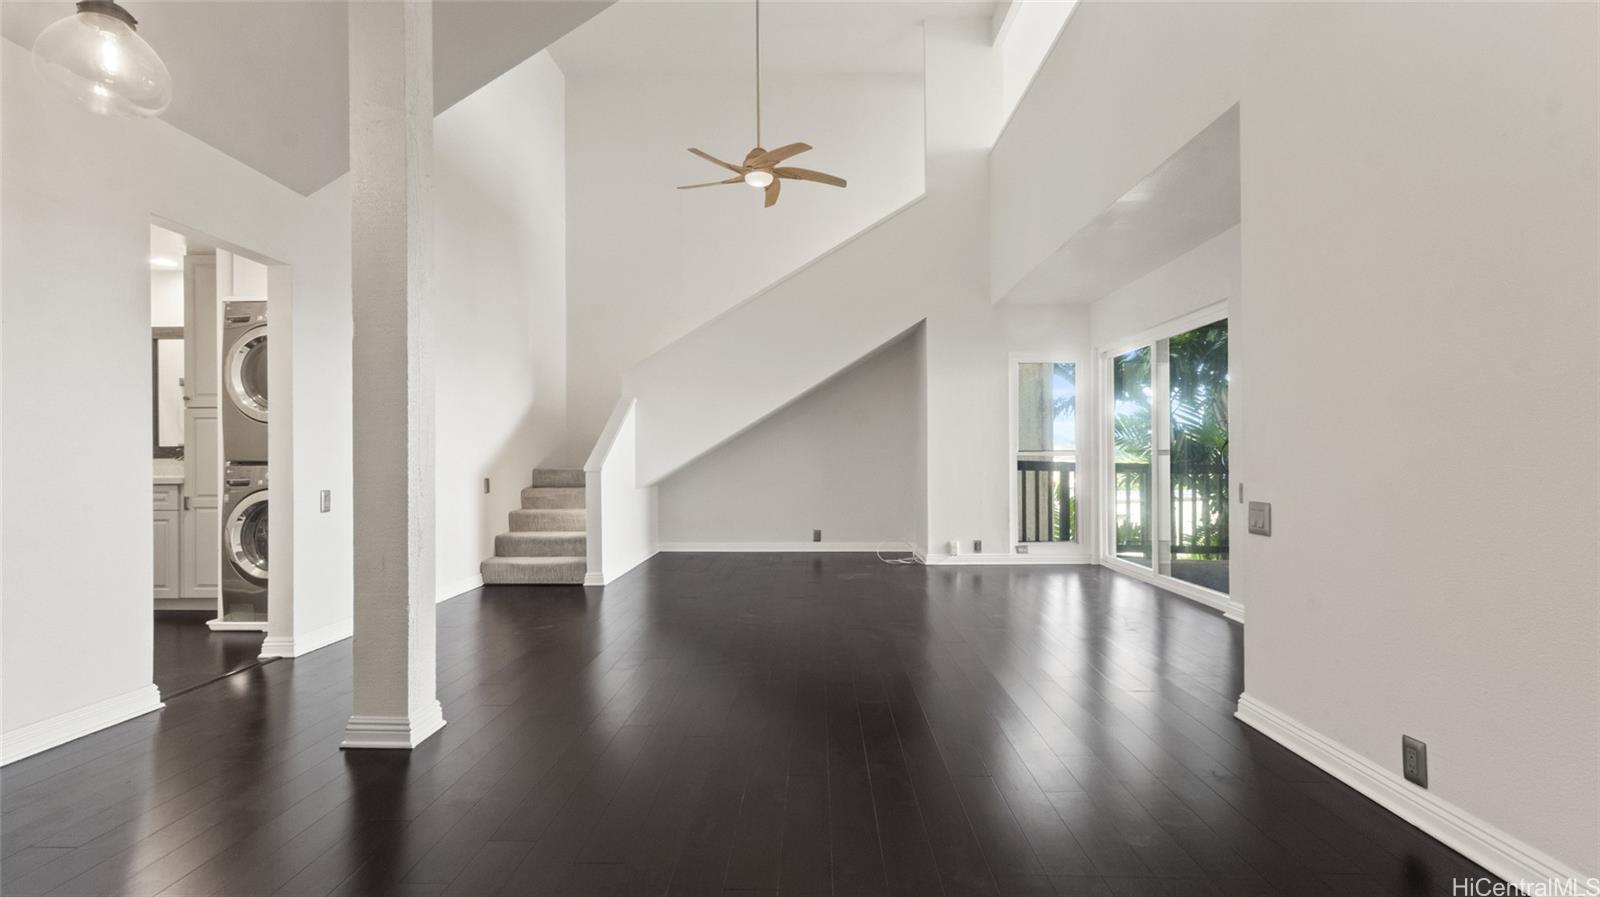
1103, 458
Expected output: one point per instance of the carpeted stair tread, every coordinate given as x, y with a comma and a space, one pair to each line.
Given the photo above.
557, 476
558, 543
549, 520
534, 571
553, 497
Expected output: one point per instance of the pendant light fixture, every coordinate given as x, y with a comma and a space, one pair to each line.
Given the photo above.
97, 56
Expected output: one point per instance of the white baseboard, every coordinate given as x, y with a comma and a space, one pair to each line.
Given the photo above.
458, 588
305, 643
275, 647
1004, 560
392, 732
888, 547
602, 578
1473, 838
62, 728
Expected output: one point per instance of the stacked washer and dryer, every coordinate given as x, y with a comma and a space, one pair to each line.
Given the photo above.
244, 453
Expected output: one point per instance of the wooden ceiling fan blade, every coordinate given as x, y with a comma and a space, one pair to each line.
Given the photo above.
806, 174
773, 157
772, 194
715, 161
733, 180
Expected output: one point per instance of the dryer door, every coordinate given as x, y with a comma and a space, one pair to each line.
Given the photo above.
244, 373
244, 536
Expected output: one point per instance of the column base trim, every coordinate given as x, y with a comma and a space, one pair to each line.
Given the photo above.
221, 625
392, 732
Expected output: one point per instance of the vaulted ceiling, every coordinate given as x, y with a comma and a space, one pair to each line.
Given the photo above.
645, 37
266, 81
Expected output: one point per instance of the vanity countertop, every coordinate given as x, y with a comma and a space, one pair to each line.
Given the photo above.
168, 472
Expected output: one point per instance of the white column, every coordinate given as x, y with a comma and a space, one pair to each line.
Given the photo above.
391, 153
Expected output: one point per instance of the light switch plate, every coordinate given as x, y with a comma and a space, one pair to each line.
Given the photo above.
1261, 518
326, 500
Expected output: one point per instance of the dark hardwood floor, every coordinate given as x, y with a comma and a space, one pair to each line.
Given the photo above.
734, 724
188, 654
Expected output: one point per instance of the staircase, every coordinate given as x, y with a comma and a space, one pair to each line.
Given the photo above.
547, 544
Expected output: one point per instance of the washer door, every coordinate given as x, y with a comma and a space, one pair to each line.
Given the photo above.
244, 536
244, 373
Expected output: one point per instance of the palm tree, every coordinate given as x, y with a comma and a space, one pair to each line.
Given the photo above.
1198, 377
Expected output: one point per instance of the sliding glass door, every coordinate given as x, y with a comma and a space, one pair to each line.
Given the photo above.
1168, 508
1197, 406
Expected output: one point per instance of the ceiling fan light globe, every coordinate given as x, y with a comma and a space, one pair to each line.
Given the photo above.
758, 179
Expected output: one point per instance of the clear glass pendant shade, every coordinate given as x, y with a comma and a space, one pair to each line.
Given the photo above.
98, 57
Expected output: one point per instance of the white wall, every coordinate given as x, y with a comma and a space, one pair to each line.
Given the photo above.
1029, 31
1126, 86
623, 515
500, 310
166, 298
842, 458
1203, 276
79, 192
649, 263
1419, 278
1420, 267
322, 331
926, 264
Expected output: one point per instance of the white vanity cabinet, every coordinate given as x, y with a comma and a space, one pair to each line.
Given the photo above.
202, 525
167, 541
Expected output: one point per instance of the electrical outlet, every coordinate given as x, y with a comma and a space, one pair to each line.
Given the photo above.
1022, 549
1414, 760
816, 535
485, 485
326, 499
977, 546
955, 547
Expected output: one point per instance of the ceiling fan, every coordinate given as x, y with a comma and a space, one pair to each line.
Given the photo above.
761, 169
